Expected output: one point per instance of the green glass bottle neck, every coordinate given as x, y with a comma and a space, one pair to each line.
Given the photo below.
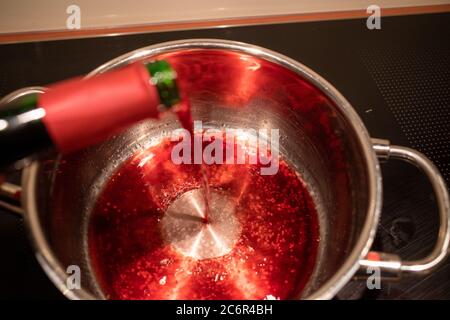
18, 106
164, 78
162, 75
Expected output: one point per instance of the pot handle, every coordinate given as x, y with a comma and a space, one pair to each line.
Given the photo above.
390, 265
10, 195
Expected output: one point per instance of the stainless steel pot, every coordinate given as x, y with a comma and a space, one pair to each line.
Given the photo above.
239, 85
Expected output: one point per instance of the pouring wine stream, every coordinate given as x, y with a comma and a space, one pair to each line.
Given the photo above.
184, 114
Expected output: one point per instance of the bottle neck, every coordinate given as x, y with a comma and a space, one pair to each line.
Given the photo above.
80, 112
22, 131
163, 78
18, 106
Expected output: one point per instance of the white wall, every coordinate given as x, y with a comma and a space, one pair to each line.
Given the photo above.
38, 15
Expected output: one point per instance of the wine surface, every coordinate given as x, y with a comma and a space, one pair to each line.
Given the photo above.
148, 238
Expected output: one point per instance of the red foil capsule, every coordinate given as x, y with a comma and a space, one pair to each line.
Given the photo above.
81, 112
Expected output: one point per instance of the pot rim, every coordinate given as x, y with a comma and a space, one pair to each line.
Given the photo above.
331, 287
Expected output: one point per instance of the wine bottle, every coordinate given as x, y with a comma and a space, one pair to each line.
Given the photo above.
79, 112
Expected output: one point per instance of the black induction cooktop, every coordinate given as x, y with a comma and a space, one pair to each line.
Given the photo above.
397, 78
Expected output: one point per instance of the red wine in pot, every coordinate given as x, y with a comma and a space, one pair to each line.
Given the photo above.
148, 240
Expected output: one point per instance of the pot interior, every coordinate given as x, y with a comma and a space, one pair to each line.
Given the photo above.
227, 89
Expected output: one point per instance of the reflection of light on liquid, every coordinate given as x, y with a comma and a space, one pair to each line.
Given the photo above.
195, 245
245, 83
245, 281
145, 159
247, 142
253, 65
244, 135
217, 240
146, 155
163, 280
196, 205
186, 266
